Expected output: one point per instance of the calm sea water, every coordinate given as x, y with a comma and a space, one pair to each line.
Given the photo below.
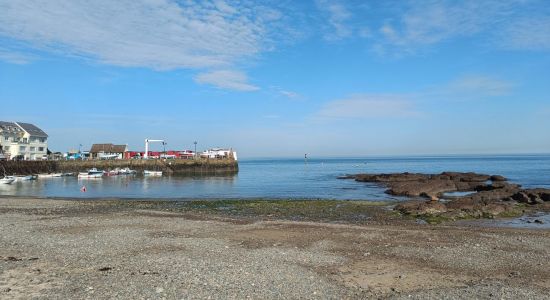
289, 178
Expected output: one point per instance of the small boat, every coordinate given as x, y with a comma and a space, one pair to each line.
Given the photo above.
112, 172
50, 175
152, 173
7, 180
91, 173
126, 171
25, 178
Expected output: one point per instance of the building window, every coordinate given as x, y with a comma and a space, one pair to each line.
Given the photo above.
6, 138
22, 148
6, 148
42, 140
24, 140
41, 149
33, 148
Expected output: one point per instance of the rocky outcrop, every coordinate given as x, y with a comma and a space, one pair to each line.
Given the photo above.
491, 195
430, 186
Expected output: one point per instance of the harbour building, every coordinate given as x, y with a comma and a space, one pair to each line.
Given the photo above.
23, 141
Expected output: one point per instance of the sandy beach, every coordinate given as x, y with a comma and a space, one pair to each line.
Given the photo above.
103, 249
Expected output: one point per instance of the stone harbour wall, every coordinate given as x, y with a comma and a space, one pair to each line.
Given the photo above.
170, 166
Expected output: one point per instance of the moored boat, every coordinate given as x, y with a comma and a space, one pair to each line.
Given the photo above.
92, 173
126, 171
50, 175
7, 180
25, 178
112, 172
152, 173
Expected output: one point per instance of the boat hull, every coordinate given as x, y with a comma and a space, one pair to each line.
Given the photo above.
88, 175
152, 173
7, 180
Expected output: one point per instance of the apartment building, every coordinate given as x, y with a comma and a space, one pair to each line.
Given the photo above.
22, 140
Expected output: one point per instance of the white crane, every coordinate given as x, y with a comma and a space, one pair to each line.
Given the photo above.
147, 141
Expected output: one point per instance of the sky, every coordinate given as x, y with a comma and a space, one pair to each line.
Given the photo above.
281, 78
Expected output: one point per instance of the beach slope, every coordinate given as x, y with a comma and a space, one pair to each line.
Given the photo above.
98, 249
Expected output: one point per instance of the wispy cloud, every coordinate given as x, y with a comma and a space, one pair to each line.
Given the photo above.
406, 105
337, 15
289, 94
425, 24
226, 79
14, 57
368, 106
156, 34
475, 86
160, 34
286, 93
436, 21
527, 34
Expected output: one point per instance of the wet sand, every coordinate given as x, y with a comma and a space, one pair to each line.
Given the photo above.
109, 249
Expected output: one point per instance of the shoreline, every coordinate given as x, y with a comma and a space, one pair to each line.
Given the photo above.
128, 250
313, 209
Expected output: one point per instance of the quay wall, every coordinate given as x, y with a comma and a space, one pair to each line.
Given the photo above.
170, 166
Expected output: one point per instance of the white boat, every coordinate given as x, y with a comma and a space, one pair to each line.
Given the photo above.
112, 172
50, 175
152, 173
25, 178
7, 180
126, 171
91, 173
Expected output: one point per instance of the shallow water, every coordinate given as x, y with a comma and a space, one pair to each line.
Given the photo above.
289, 178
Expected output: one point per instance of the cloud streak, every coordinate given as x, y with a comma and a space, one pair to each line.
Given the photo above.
367, 106
474, 86
405, 105
226, 79
338, 16
502, 24
154, 34
527, 34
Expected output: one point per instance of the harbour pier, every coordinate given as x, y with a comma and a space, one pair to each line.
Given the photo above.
199, 166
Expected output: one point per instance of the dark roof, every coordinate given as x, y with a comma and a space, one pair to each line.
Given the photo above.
108, 148
9, 126
32, 129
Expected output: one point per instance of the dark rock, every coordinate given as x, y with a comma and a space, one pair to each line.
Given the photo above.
521, 197
498, 178
11, 258
514, 274
105, 269
493, 194
539, 221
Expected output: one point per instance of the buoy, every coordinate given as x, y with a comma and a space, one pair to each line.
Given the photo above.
83, 189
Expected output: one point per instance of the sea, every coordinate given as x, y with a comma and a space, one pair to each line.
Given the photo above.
272, 178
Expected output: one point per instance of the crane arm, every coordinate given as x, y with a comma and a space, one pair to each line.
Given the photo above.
147, 141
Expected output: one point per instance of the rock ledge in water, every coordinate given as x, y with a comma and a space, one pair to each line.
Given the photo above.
492, 194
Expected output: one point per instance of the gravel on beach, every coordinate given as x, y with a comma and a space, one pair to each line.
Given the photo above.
84, 250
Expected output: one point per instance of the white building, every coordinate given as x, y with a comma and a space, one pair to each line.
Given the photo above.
23, 140
219, 153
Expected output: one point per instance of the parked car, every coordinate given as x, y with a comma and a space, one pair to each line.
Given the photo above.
2, 156
18, 157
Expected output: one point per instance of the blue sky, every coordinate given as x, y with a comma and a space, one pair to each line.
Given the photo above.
282, 78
